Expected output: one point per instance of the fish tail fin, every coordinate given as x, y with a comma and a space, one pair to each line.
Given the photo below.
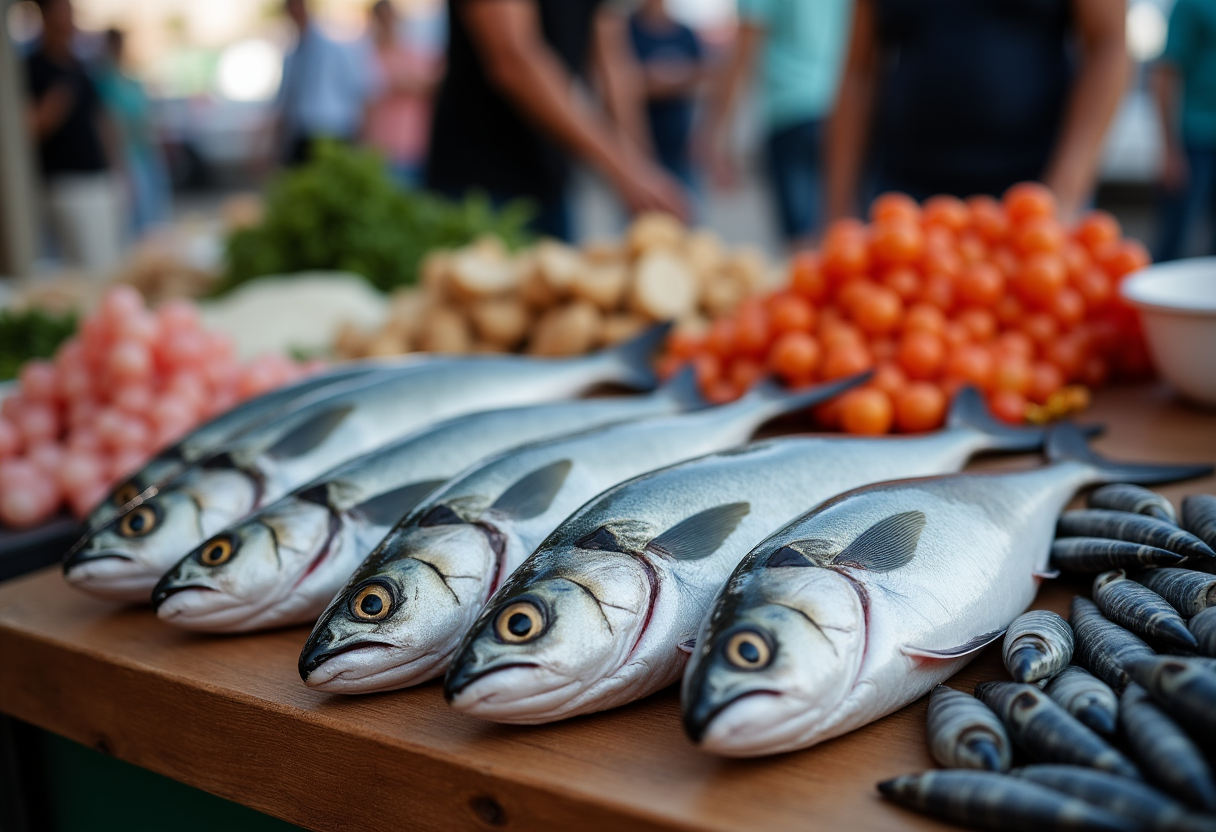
968, 410
1066, 442
632, 361
682, 390
771, 399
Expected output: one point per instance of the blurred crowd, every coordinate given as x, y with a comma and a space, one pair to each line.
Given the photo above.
856, 97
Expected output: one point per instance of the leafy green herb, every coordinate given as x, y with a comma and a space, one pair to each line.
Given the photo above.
28, 334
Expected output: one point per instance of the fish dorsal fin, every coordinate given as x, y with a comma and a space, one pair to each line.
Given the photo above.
888, 544
387, 508
532, 494
965, 649
700, 535
303, 438
809, 552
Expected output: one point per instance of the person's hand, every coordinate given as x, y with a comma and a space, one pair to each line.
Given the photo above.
643, 186
1175, 169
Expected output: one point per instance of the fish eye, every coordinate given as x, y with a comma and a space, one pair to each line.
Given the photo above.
125, 493
519, 623
138, 521
372, 603
748, 650
217, 551
440, 516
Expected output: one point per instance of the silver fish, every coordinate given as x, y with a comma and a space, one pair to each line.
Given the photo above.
123, 560
1137, 528
1185, 688
1169, 757
1187, 591
283, 564
1199, 517
963, 732
605, 610
1139, 609
1103, 647
987, 800
401, 614
1038, 645
1086, 697
871, 599
1098, 554
1203, 628
1121, 496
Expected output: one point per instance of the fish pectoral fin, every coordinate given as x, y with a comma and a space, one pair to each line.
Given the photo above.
387, 508
533, 493
700, 535
1046, 574
307, 436
888, 544
687, 646
965, 649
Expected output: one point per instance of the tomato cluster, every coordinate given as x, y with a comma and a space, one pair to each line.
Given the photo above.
995, 293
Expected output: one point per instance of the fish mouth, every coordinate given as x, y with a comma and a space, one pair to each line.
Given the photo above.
335, 675
457, 682
698, 718
313, 658
79, 556
162, 593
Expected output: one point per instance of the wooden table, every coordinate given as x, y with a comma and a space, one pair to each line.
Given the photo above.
229, 715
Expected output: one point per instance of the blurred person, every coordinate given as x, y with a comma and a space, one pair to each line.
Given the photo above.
399, 118
131, 112
74, 142
1184, 82
959, 97
800, 49
508, 114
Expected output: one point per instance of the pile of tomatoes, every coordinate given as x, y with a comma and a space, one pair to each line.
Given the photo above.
995, 293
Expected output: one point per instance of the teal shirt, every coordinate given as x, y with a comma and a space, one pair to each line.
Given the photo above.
802, 55
1191, 48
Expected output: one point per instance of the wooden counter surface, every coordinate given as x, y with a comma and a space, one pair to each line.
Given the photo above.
230, 715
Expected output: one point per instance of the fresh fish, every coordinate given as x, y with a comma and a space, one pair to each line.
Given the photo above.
1049, 733
1103, 647
404, 609
283, 564
868, 601
604, 612
1186, 689
1121, 496
1187, 591
963, 732
1098, 554
123, 560
987, 800
1169, 757
1131, 799
1203, 628
1038, 645
1086, 697
1136, 528
1141, 610
1199, 517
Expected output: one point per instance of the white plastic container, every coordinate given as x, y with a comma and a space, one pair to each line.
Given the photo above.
1177, 301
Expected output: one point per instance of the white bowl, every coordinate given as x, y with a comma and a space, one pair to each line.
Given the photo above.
1177, 301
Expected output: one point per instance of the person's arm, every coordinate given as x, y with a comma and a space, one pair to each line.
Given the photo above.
518, 61
849, 127
715, 147
1092, 102
619, 77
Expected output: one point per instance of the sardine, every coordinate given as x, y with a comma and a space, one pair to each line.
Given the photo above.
1121, 496
1098, 554
1199, 517
604, 612
963, 732
1168, 756
283, 564
1136, 528
987, 800
1086, 697
1185, 688
1139, 609
402, 612
123, 560
1038, 645
1187, 591
1103, 647
1203, 628
873, 598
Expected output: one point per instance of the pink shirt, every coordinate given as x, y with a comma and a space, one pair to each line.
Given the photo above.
399, 123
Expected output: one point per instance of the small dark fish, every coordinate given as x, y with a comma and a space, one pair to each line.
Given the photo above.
1098, 554
1199, 517
1086, 697
1137, 528
1038, 645
1103, 647
987, 800
1185, 688
1048, 732
1203, 628
1132, 498
963, 732
1170, 757
1127, 798
1187, 591
1138, 608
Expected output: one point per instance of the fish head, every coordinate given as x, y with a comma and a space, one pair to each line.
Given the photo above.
125, 492
776, 657
400, 617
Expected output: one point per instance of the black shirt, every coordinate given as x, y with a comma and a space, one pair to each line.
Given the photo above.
75, 147
478, 138
973, 93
